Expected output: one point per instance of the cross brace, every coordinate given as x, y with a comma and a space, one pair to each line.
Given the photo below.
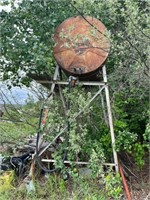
102, 86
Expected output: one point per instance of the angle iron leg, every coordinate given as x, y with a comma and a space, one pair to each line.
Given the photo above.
110, 118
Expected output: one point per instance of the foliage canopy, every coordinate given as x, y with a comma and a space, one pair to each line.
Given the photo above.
27, 36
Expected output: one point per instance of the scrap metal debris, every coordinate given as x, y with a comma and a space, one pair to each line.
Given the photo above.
18, 164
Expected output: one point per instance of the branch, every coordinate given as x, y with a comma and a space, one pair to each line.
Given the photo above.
139, 53
138, 27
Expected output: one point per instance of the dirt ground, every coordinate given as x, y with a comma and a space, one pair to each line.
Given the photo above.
138, 180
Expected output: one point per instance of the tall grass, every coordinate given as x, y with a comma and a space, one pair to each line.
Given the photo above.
56, 188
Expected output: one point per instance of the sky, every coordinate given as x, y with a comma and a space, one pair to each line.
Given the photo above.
16, 95
7, 8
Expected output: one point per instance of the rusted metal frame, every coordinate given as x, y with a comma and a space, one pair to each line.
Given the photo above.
102, 85
128, 195
75, 162
79, 113
56, 74
110, 118
58, 82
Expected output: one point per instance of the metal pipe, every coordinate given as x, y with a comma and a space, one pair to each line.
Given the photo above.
58, 82
124, 183
110, 118
75, 162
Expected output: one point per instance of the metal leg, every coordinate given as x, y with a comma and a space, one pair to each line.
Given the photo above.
110, 118
56, 74
55, 78
103, 108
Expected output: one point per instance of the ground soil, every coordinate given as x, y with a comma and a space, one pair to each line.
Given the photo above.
138, 180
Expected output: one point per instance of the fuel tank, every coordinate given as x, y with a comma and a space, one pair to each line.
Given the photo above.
81, 46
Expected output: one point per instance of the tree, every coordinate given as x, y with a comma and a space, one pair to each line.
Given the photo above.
27, 42
27, 35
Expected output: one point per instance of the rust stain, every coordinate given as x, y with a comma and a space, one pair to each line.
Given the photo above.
81, 48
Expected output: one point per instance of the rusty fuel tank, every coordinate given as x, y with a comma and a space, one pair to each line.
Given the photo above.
81, 46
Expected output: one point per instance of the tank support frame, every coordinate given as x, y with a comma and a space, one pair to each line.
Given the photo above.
103, 86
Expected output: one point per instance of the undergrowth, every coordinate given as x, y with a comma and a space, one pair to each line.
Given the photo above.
56, 188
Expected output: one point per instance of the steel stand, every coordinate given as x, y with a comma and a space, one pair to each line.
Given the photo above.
110, 118
102, 86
